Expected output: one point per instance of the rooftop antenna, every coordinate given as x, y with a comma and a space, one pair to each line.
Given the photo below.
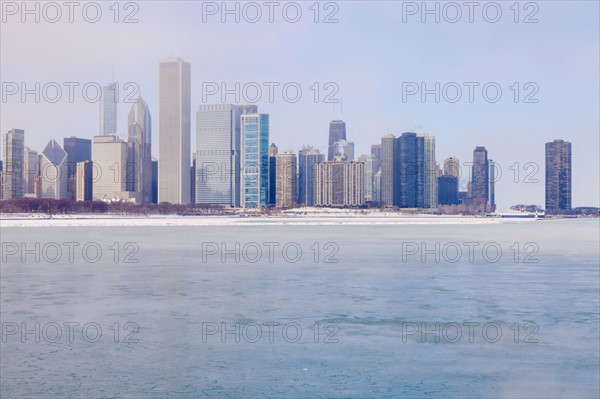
342, 109
113, 74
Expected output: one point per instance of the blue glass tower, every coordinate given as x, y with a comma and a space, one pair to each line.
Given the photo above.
254, 160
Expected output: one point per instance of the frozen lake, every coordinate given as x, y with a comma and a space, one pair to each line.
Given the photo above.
504, 309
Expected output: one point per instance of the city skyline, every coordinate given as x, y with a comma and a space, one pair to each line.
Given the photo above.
372, 96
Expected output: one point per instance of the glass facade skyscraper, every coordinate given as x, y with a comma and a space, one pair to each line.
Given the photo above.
558, 176
412, 170
337, 131
254, 160
139, 163
108, 109
78, 150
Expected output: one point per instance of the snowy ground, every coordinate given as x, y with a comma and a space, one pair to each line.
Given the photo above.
310, 218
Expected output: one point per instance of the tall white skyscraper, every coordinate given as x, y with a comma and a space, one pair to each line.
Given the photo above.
174, 131
430, 172
139, 163
108, 109
53, 172
218, 155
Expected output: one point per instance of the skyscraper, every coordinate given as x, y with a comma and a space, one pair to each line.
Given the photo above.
272, 197
429, 172
53, 172
452, 167
343, 149
376, 156
412, 168
30, 163
368, 177
287, 179
78, 150
308, 156
139, 148
218, 155
448, 190
254, 162
110, 168
13, 150
558, 176
339, 184
174, 131
492, 189
390, 171
480, 177
337, 131
84, 181
108, 109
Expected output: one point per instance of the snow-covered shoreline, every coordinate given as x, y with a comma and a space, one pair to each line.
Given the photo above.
338, 218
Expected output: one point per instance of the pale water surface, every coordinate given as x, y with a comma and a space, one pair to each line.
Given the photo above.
368, 302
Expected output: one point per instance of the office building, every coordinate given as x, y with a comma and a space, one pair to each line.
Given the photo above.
139, 150
109, 98
448, 190
218, 155
78, 150
13, 150
174, 131
254, 162
344, 150
30, 172
337, 131
53, 172
109, 154
84, 181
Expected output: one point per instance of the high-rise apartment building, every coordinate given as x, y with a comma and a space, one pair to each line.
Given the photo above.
339, 184
558, 176
430, 172
272, 196
109, 154
480, 177
287, 179
308, 156
174, 131
368, 177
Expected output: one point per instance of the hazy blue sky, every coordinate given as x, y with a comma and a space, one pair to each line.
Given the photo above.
369, 53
